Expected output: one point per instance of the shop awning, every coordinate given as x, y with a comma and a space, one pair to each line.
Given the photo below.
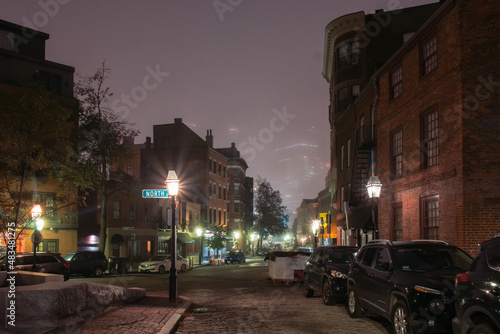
185, 238
361, 218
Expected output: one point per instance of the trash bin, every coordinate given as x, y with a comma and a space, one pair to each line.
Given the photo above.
286, 266
117, 265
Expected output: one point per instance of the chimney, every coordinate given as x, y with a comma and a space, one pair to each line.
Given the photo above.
148, 142
210, 139
178, 120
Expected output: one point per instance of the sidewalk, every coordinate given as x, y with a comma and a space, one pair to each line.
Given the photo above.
153, 314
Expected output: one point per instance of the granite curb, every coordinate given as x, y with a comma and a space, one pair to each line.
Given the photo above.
144, 316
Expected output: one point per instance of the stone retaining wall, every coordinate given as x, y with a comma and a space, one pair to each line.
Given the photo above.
61, 304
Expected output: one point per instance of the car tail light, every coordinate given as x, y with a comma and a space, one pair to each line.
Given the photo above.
66, 265
461, 278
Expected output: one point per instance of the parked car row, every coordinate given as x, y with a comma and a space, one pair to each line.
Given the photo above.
83, 262
421, 286
89, 263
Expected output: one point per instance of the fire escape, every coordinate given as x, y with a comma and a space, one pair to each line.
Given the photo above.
364, 144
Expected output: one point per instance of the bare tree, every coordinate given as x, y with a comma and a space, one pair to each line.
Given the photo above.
102, 139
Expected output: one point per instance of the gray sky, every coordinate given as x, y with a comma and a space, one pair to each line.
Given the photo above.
250, 70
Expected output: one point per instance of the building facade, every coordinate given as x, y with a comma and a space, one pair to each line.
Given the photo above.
356, 45
22, 62
426, 123
140, 226
438, 126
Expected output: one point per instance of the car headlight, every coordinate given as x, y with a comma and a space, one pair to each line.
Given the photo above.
338, 274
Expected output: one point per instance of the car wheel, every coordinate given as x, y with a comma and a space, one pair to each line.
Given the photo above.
326, 292
66, 276
161, 270
353, 308
98, 272
308, 292
401, 319
183, 268
483, 328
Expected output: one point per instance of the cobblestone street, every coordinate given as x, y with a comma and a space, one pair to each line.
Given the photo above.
273, 309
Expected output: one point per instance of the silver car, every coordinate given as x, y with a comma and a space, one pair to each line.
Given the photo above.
161, 264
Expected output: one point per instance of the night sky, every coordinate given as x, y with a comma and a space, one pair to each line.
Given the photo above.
249, 70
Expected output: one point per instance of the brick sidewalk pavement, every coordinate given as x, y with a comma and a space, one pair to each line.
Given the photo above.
153, 314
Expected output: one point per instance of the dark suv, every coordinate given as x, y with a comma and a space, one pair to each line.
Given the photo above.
50, 263
410, 283
326, 272
477, 293
87, 263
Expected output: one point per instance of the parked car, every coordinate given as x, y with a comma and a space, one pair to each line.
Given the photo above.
50, 263
326, 272
308, 250
263, 251
477, 293
88, 263
235, 256
161, 264
409, 283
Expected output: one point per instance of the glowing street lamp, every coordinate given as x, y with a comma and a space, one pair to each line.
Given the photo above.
374, 186
199, 233
173, 189
36, 213
315, 228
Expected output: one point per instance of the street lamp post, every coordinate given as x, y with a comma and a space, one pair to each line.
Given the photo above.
236, 238
315, 227
173, 188
36, 212
199, 232
374, 186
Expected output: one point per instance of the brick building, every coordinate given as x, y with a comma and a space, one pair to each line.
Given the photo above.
356, 45
239, 196
432, 135
140, 226
438, 128
22, 61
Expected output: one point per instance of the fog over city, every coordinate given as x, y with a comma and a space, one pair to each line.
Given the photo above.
250, 71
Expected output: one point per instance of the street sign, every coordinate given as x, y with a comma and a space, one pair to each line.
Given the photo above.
154, 193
